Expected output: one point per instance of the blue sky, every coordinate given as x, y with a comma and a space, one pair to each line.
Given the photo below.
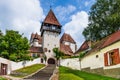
26, 16
79, 5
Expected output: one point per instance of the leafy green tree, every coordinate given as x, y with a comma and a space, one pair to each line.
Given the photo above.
13, 57
104, 19
0, 33
58, 54
5, 54
14, 46
45, 58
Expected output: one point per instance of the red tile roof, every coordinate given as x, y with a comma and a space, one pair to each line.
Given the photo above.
66, 49
83, 47
97, 45
36, 36
67, 37
107, 41
112, 39
36, 49
51, 18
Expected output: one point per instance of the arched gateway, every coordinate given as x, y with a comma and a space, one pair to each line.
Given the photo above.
51, 61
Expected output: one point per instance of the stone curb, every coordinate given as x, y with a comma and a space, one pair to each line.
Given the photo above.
16, 78
11, 78
54, 72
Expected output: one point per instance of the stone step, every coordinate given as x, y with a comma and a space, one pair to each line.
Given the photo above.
43, 74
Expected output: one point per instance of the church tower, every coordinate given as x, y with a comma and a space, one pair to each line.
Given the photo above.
50, 30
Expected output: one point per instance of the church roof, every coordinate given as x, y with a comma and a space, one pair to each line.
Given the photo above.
66, 49
36, 36
51, 19
67, 37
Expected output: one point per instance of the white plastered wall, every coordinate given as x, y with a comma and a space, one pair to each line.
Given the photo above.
93, 62
72, 63
5, 61
50, 41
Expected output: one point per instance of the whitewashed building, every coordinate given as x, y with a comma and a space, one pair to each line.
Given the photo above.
103, 57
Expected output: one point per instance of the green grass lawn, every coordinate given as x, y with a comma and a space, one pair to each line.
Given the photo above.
69, 74
27, 70
1, 78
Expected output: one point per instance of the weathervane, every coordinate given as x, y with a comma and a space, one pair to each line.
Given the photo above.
50, 6
51, 2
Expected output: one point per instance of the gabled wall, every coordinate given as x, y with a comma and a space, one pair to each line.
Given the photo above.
72, 45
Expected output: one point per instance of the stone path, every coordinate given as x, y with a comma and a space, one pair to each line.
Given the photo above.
43, 74
55, 75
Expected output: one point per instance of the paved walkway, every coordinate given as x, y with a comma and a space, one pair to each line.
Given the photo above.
43, 74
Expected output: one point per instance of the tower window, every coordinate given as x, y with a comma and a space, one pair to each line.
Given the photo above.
49, 51
53, 27
45, 49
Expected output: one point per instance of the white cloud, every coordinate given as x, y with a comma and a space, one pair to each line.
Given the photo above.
63, 11
89, 2
86, 3
21, 15
77, 24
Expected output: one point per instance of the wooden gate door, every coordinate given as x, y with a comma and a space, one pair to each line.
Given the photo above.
51, 61
3, 69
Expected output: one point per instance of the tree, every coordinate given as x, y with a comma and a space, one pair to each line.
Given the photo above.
14, 46
1, 33
58, 54
104, 19
45, 58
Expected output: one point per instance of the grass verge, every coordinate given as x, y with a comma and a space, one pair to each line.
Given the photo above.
27, 70
69, 74
1, 78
